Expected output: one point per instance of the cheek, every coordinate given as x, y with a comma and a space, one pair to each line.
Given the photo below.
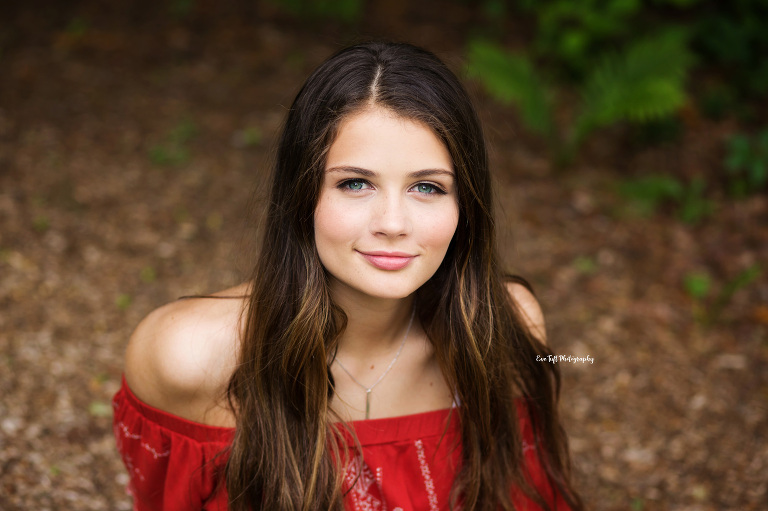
332, 226
439, 230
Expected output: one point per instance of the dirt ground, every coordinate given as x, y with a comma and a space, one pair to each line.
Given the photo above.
130, 144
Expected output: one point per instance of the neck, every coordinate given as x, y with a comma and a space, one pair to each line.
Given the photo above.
375, 327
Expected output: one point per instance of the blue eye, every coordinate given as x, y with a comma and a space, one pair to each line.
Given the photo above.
429, 189
354, 184
425, 188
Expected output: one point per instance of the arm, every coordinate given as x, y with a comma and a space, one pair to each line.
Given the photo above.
181, 356
177, 365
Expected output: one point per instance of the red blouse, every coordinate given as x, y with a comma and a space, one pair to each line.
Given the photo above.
173, 463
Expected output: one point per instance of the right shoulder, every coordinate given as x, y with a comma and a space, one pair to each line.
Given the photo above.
181, 356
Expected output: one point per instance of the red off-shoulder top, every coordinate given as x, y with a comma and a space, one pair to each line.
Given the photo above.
409, 462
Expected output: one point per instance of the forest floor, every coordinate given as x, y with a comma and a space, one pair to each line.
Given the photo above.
129, 149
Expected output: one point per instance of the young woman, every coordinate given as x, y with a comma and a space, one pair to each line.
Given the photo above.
377, 358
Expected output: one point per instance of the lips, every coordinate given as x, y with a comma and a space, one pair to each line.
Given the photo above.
389, 261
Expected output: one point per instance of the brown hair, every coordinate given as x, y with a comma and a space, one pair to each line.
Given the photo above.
282, 457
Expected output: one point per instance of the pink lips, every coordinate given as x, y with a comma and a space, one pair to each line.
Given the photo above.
388, 260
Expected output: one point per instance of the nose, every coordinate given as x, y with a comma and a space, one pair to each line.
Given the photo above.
390, 217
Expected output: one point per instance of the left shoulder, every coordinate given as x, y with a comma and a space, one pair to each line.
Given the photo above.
529, 309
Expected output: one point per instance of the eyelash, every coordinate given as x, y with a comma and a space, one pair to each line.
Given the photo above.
344, 185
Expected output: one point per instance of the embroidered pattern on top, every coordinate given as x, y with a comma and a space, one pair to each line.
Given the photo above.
360, 478
429, 484
127, 434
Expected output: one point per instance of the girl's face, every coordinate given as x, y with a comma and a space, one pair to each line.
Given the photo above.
388, 206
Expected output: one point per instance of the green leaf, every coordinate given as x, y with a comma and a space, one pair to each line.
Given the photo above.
123, 301
652, 189
183, 132
694, 206
762, 143
148, 275
77, 27
573, 43
511, 79
742, 280
738, 188
181, 8
168, 155
746, 162
625, 7
495, 9
738, 153
637, 85
759, 173
100, 409
585, 265
679, 3
174, 150
697, 285
41, 223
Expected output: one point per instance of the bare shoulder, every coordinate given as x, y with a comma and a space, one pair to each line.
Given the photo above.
180, 357
529, 309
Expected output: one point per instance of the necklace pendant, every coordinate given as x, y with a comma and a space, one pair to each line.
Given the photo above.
368, 403
386, 371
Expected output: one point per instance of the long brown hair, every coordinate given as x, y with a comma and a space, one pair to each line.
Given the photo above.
282, 457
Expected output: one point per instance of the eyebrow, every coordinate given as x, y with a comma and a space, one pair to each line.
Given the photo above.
369, 173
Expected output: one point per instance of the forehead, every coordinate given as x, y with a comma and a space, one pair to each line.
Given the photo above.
377, 138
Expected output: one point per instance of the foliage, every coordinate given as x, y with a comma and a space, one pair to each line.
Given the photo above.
214, 221
174, 150
569, 33
649, 193
699, 286
41, 223
658, 131
734, 36
148, 275
746, 163
636, 85
741, 281
694, 206
633, 85
585, 265
77, 27
512, 79
342, 10
98, 409
627, 62
248, 137
180, 9
123, 301
717, 100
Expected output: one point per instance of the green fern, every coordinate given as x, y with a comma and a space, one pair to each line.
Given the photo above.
512, 79
644, 83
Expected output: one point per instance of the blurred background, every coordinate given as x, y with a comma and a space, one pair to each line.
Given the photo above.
629, 141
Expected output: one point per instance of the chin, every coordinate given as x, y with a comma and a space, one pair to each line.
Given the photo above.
394, 293
381, 288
